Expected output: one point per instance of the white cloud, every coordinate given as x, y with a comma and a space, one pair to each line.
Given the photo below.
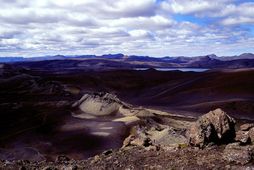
238, 14
237, 20
154, 22
193, 6
244, 9
144, 27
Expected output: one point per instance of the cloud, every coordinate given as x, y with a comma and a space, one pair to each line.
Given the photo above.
238, 14
244, 9
193, 6
154, 22
143, 27
237, 20
226, 10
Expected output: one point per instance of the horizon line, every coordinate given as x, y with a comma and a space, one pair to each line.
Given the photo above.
100, 55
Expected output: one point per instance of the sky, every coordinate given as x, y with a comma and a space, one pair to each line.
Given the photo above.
133, 27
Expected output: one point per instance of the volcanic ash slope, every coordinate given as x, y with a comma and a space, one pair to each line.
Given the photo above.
107, 105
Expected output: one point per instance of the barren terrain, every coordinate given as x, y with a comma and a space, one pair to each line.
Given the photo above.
43, 114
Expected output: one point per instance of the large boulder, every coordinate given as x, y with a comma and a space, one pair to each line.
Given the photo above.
213, 127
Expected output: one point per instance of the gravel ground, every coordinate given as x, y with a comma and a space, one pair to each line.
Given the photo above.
135, 158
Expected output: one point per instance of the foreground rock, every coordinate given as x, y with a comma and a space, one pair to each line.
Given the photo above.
150, 134
246, 126
159, 142
242, 137
213, 127
245, 135
238, 154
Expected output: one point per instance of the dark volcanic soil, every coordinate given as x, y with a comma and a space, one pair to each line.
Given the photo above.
35, 105
136, 158
191, 92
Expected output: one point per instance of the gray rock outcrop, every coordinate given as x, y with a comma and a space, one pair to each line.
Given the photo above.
213, 127
154, 134
93, 105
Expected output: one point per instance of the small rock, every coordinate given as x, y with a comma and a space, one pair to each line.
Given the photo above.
74, 167
64, 167
238, 154
62, 159
96, 158
246, 126
155, 167
251, 135
170, 148
242, 137
49, 168
108, 152
227, 167
151, 148
22, 168
128, 140
147, 142
108, 158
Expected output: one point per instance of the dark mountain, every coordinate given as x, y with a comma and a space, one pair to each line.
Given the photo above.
143, 58
106, 61
246, 56
178, 59
237, 57
205, 62
112, 56
11, 59
208, 62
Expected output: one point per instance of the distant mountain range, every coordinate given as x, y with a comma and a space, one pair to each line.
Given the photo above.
245, 60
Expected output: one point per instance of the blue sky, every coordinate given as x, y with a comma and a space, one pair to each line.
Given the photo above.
140, 27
